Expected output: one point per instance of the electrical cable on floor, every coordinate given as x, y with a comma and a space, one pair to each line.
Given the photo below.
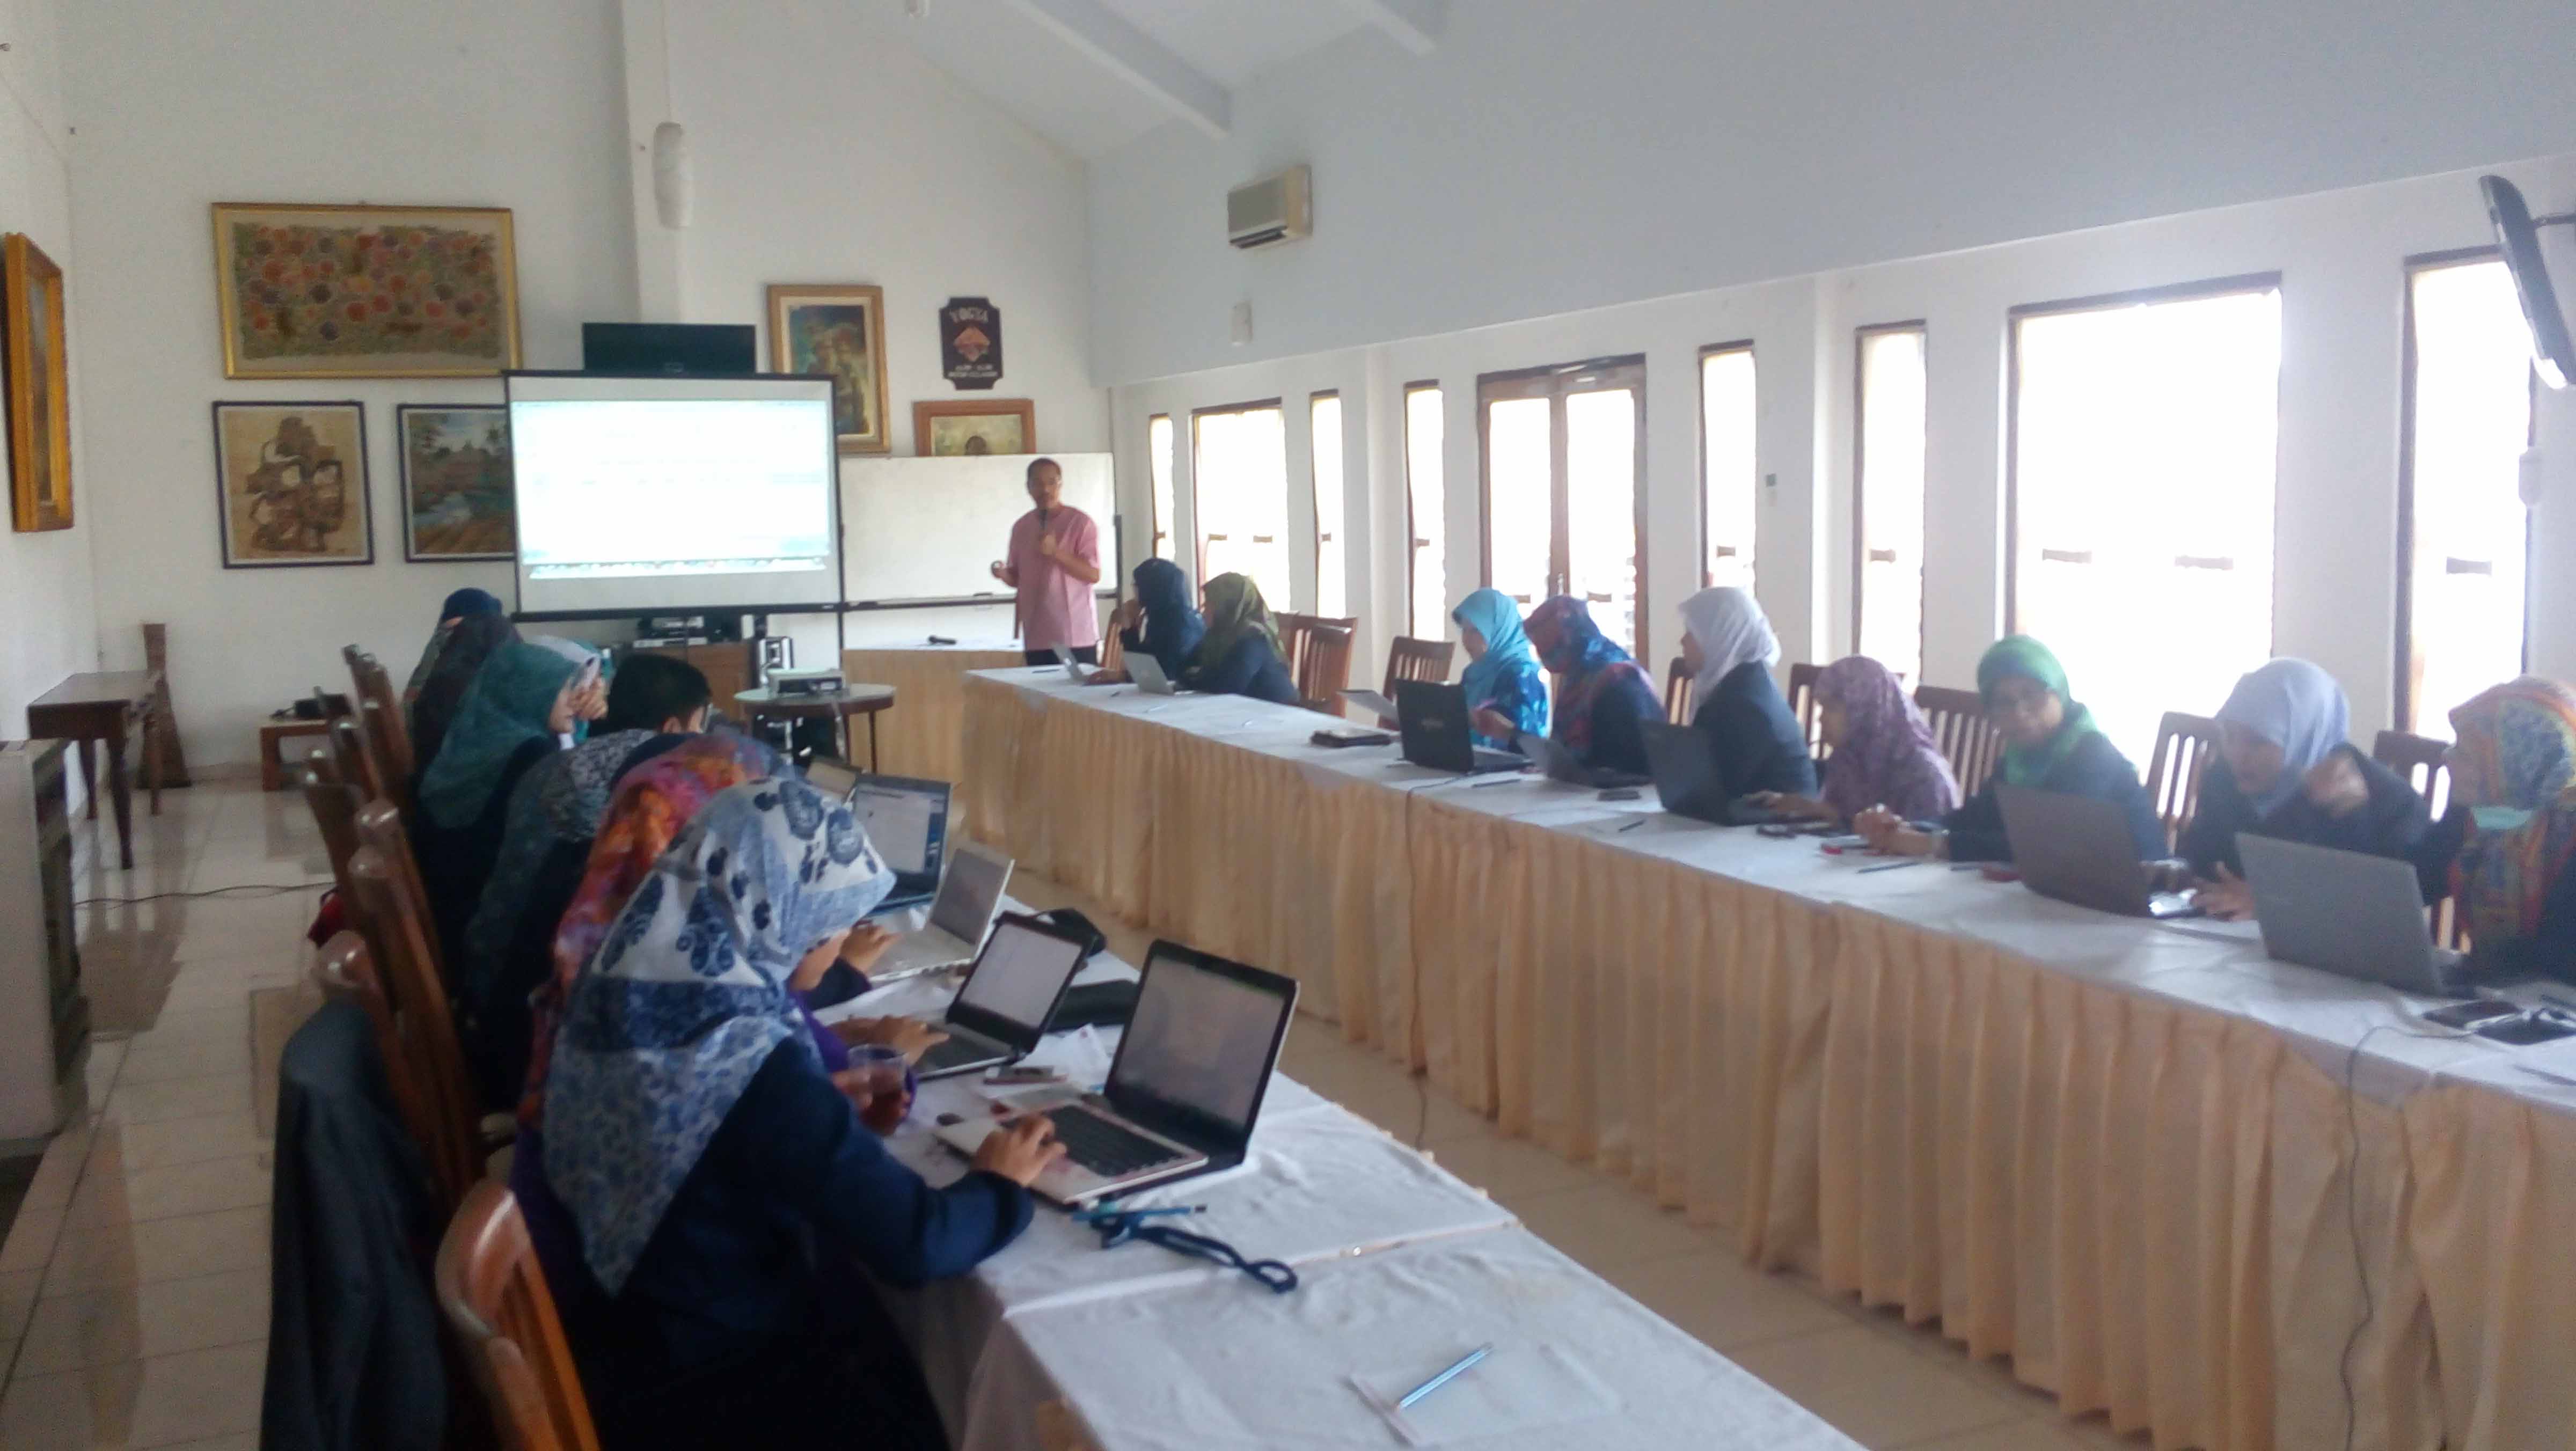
260, 889
2352, 1209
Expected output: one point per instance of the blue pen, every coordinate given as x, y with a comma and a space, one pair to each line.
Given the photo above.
1093, 1215
1892, 866
1465, 1363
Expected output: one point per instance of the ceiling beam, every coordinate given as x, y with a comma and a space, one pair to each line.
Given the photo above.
1413, 24
1118, 47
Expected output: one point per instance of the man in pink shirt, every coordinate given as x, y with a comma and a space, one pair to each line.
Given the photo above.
1054, 562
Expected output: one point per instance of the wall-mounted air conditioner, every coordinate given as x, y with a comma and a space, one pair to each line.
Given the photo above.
1272, 210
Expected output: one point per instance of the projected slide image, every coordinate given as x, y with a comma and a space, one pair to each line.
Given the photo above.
672, 487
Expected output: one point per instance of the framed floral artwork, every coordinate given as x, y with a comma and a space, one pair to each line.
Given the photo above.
40, 410
967, 427
457, 499
291, 481
365, 292
839, 330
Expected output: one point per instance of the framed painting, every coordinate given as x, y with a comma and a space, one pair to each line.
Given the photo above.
40, 408
456, 494
365, 292
291, 484
840, 331
967, 427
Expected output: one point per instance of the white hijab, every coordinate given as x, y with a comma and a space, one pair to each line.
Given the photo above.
1731, 631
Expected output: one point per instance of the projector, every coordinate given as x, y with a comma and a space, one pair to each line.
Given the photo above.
789, 683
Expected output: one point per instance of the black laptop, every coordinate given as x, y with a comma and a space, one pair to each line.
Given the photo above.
1433, 718
1689, 782
1001, 1011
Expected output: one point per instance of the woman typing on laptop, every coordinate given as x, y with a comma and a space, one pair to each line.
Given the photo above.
1502, 683
1604, 699
1728, 647
1240, 655
1884, 753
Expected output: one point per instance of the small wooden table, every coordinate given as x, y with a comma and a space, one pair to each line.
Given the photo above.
99, 705
866, 700
272, 770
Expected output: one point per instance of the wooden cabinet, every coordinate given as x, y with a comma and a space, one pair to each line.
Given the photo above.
44, 1018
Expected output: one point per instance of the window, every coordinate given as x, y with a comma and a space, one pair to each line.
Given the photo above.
1887, 495
2462, 609
1324, 431
2141, 473
1564, 457
1426, 571
1158, 455
1727, 480
1239, 482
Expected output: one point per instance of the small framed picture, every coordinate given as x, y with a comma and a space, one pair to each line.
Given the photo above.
291, 484
456, 496
840, 330
967, 427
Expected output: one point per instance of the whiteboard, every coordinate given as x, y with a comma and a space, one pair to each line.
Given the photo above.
917, 529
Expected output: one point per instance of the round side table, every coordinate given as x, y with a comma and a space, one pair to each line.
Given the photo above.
867, 700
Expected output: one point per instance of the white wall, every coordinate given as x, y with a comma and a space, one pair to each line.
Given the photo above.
2341, 257
1548, 157
46, 584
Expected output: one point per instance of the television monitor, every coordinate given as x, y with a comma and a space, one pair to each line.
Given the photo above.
642, 495
2553, 351
669, 347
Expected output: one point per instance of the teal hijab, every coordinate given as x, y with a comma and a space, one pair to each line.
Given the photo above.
2020, 655
505, 708
1491, 613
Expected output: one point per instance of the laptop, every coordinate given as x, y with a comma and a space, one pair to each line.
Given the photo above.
1433, 718
1148, 674
1372, 702
970, 893
907, 822
1688, 781
1185, 1089
2078, 849
1000, 1012
2355, 916
1073, 669
1560, 765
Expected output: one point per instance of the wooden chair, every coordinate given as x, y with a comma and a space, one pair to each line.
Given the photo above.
346, 972
351, 758
381, 827
1679, 687
1958, 720
1113, 653
335, 811
1412, 659
494, 1295
1802, 704
393, 777
1324, 670
2425, 762
396, 926
2185, 745
380, 706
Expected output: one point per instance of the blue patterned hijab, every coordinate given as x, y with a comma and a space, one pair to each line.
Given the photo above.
687, 998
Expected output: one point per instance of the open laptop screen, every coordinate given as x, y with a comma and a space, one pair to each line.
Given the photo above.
1200, 1041
907, 822
970, 894
1019, 976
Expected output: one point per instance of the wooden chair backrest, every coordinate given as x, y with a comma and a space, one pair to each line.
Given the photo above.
349, 754
1412, 659
392, 774
335, 811
1802, 704
381, 827
1113, 652
397, 929
346, 972
386, 727
493, 1293
1958, 721
1326, 665
2185, 745
1679, 690
2425, 762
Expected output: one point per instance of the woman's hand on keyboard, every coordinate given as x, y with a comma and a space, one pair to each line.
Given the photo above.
1019, 1150
910, 1037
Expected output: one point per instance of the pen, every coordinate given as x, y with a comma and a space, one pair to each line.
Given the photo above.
1496, 781
1090, 1216
1463, 1365
1912, 861
1631, 826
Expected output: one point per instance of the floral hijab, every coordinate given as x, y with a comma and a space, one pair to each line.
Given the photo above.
1585, 663
688, 997
1888, 755
2514, 766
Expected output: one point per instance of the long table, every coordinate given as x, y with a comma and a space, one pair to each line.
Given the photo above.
1056, 1343
2176, 1182
925, 736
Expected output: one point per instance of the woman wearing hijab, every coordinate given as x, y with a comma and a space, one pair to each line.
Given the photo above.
1240, 655
2050, 744
2513, 793
2285, 770
460, 606
521, 704
1884, 752
1503, 684
1160, 621
1604, 699
475, 640
719, 1180
1728, 647
655, 704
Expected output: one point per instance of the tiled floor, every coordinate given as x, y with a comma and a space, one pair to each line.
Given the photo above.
133, 1289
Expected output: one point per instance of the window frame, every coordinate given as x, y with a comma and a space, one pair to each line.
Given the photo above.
1198, 514
1551, 381
1161, 528
1860, 474
1415, 541
1315, 491
1707, 575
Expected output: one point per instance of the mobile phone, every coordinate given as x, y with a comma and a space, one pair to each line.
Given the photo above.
1620, 793
1844, 843
2471, 1014
2523, 1029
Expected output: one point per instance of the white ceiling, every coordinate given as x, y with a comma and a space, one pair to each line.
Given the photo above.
1007, 55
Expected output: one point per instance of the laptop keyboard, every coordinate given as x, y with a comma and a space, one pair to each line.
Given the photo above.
1103, 1147
959, 1051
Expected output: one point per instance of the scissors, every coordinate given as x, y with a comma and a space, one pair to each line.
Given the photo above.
1117, 1227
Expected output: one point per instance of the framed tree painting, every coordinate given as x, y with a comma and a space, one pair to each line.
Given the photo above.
969, 427
365, 292
839, 330
291, 484
40, 409
456, 496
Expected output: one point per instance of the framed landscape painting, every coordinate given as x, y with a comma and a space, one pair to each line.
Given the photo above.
291, 482
365, 292
40, 410
456, 494
970, 427
838, 330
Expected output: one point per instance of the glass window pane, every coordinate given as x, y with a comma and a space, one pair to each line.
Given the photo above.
2144, 466
1601, 518
1324, 428
1158, 458
1240, 479
1519, 507
2472, 420
1891, 499
1424, 495
1728, 481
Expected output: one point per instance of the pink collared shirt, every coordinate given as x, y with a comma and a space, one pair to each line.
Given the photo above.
1056, 608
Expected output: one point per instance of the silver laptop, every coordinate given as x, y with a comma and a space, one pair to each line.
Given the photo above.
969, 896
1371, 701
2355, 916
1073, 669
1001, 1010
1148, 674
2078, 849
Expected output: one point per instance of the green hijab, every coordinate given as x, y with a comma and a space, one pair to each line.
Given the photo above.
2023, 656
505, 708
1234, 610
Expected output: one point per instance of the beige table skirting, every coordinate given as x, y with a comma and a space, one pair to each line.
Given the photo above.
2160, 1212
924, 735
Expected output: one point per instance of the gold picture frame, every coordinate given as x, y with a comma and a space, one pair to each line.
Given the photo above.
39, 383
837, 329
332, 291
953, 427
